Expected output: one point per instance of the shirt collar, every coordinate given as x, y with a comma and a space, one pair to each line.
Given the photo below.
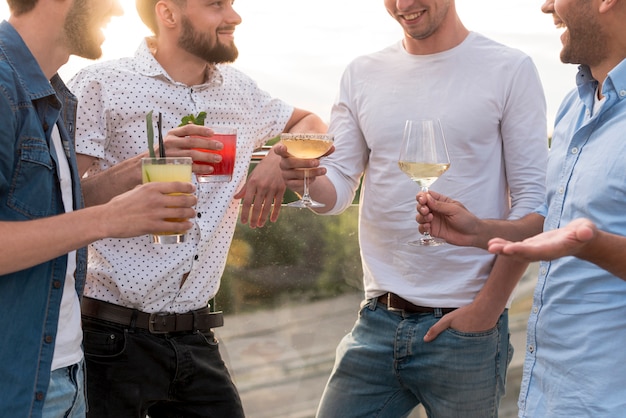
613, 86
150, 67
25, 66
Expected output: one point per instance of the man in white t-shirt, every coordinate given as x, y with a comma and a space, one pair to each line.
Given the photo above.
491, 105
149, 344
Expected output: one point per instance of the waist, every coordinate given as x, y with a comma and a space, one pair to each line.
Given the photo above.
394, 302
156, 323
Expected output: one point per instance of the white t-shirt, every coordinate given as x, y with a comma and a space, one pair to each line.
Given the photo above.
491, 103
114, 98
67, 347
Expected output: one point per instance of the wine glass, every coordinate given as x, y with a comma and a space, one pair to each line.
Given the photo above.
424, 157
307, 146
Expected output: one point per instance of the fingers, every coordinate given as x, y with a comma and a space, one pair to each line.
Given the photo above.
436, 329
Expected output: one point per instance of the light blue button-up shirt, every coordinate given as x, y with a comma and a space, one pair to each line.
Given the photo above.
576, 346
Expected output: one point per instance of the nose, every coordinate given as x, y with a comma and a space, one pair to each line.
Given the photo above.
233, 17
403, 4
548, 7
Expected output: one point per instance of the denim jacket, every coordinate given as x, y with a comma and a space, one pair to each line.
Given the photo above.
30, 106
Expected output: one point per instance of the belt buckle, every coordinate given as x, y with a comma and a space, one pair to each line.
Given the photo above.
391, 308
152, 320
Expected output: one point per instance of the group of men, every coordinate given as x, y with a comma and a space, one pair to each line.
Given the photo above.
433, 327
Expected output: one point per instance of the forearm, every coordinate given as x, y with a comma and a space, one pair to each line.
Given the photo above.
607, 251
34, 242
303, 121
323, 190
101, 187
502, 280
516, 230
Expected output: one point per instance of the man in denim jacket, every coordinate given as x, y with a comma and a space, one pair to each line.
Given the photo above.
42, 262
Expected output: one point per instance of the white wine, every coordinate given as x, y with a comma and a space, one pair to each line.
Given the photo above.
423, 174
303, 147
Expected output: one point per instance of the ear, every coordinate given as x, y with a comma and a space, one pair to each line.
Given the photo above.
166, 13
606, 5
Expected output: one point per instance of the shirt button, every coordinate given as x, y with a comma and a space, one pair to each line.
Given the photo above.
196, 257
561, 190
56, 284
531, 349
39, 396
199, 215
622, 93
575, 150
535, 309
48, 339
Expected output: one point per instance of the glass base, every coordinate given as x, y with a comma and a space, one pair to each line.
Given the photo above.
427, 241
303, 203
168, 239
214, 178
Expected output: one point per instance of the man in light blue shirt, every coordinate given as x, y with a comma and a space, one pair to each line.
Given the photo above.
575, 357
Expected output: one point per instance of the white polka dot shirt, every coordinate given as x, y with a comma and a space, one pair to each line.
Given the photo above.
114, 98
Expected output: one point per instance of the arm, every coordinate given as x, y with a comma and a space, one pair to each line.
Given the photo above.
101, 187
264, 189
450, 220
483, 313
140, 211
580, 238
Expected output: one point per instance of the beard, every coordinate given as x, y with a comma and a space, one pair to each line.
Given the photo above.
83, 36
582, 41
204, 46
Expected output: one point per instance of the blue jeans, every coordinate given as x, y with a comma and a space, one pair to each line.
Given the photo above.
66, 393
132, 373
384, 369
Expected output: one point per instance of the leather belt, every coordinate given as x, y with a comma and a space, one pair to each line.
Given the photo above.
157, 323
394, 302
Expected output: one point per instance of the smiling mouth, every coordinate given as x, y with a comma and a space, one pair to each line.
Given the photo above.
413, 16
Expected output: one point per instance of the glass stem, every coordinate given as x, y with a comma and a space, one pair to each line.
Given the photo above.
305, 195
426, 233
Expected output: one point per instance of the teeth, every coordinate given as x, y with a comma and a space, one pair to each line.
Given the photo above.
413, 16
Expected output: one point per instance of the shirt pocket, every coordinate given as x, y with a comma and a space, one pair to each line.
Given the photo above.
33, 190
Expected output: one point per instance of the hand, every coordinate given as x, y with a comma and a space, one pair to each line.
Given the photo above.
468, 319
292, 168
188, 140
145, 208
561, 242
263, 192
446, 218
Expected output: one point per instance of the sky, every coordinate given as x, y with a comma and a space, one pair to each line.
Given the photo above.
298, 50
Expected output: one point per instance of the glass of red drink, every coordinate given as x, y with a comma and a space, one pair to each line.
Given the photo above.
222, 171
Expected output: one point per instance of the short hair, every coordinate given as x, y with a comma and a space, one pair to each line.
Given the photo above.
19, 7
145, 9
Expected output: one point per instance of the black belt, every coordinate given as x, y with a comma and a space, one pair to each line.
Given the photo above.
394, 302
157, 323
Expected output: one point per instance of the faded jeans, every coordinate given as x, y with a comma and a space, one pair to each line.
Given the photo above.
384, 369
66, 393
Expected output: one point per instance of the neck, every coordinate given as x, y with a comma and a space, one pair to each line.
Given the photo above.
180, 65
44, 38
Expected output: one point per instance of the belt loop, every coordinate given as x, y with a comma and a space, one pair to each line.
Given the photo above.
133, 320
194, 324
438, 312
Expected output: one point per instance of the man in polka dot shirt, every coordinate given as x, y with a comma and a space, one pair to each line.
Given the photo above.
147, 329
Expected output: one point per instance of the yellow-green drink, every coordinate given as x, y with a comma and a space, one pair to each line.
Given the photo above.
166, 169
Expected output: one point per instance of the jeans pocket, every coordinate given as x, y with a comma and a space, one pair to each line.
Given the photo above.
100, 343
